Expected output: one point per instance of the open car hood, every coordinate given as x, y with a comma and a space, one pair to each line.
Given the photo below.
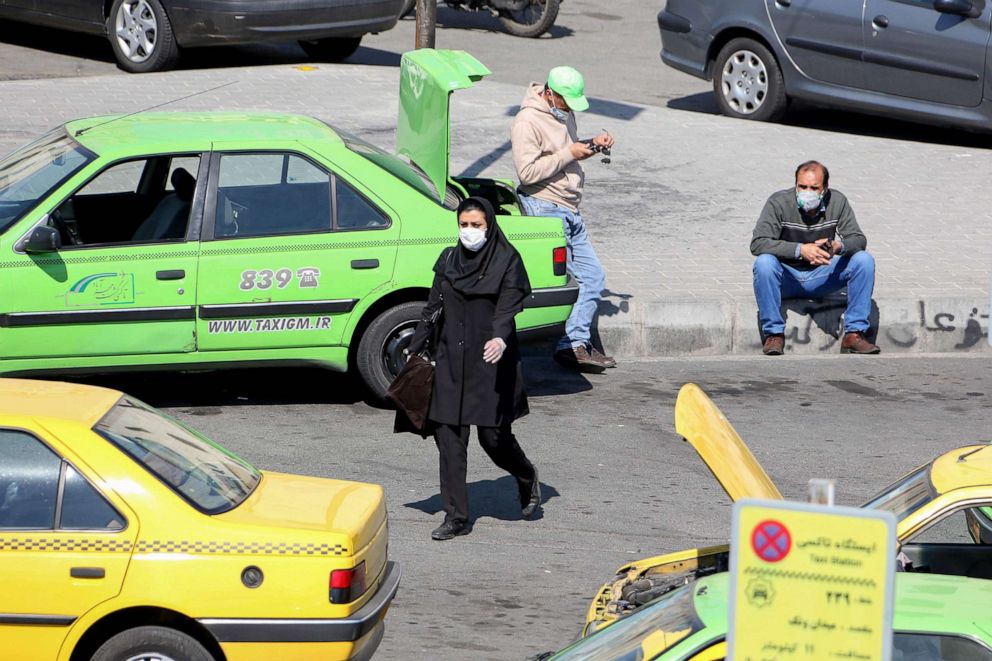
427, 79
699, 421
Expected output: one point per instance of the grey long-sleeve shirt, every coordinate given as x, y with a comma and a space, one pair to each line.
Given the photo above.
782, 228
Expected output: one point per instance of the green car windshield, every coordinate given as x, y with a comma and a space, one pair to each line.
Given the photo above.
29, 174
655, 627
906, 495
206, 475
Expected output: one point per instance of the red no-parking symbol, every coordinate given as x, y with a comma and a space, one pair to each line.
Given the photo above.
771, 541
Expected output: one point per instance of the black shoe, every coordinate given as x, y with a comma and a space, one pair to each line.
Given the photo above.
450, 530
530, 499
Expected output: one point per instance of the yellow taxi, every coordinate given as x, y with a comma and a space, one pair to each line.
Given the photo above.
934, 506
126, 535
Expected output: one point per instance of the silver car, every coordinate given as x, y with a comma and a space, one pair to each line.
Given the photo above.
922, 60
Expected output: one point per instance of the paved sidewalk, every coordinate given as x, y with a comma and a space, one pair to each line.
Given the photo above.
671, 217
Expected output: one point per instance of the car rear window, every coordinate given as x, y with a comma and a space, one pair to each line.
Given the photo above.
31, 173
208, 477
407, 172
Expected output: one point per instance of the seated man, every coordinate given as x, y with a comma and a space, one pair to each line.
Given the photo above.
808, 244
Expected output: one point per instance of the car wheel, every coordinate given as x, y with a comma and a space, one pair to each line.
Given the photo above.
408, 7
141, 36
380, 351
748, 82
152, 644
331, 50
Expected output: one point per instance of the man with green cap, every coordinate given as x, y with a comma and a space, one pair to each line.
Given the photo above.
546, 153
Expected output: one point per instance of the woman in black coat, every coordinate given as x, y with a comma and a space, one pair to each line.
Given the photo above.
481, 285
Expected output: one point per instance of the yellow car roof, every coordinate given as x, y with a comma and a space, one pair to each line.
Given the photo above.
970, 466
55, 399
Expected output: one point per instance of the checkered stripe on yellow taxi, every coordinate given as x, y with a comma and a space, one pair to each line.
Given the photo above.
238, 548
89, 544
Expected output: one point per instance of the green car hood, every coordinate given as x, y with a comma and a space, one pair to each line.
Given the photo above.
427, 79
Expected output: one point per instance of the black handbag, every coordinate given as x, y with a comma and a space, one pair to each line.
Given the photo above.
411, 390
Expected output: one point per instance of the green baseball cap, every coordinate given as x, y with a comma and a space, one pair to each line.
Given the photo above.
569, 83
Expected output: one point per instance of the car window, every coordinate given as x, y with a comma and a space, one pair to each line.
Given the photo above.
119, 178
904, 496
353, 211
206, 475
952, 529
271, 194
29, 481
145, 200
31, 173
937, 647
83, 508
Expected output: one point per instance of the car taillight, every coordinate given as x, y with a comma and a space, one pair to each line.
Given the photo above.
347, 585
559, 257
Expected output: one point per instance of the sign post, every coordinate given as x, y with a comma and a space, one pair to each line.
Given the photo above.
426, 23
809, 582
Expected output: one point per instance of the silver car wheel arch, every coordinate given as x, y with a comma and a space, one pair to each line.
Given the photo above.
136, 30
744, 82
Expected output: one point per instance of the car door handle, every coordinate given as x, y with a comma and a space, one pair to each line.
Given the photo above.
364, 264
176, 274
87, 572
880, 22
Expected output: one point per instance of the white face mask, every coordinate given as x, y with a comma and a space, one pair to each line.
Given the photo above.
558, 113
808, 200
472, 238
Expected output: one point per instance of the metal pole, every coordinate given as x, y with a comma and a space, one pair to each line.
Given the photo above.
426, 23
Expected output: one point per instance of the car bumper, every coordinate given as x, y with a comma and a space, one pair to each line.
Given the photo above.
549, 297
681, 47
205, 22
342, 630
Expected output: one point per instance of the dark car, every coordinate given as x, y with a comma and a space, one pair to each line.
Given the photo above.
922, 60
146, 35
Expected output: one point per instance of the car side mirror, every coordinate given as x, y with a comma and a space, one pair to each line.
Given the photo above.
966, 8
42, 239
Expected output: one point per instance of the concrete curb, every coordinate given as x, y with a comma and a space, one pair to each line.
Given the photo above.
727, 326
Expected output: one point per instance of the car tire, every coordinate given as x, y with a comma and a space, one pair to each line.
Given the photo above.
407, 8
331, 50
747, 81
154, 644
542, 23
380, 351
129, 21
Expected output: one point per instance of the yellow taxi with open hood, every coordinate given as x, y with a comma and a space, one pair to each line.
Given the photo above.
126, 535
956, 487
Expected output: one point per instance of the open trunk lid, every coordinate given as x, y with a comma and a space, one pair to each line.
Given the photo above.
427, 79
699, 421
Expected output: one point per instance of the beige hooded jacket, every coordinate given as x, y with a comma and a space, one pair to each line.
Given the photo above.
542, 154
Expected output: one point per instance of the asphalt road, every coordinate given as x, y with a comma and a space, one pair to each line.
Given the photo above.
616, 44
619, 484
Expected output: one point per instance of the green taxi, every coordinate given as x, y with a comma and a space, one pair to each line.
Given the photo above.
935, 618
191, 240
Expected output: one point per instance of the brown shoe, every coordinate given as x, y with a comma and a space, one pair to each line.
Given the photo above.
774, 345
608, 361
856, 342
579, 358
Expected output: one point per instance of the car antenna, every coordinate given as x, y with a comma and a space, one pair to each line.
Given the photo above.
136, 112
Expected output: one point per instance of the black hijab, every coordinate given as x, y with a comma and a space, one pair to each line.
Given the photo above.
481, 273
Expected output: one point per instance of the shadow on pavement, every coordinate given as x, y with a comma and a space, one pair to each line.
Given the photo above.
494, 499
544, 377
275, 386
843, 121
62, 42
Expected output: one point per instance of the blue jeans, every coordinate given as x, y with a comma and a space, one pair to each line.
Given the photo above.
582, 264
774, 281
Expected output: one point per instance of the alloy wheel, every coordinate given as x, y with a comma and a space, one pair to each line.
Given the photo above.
744, 82
150, 656
136, 30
